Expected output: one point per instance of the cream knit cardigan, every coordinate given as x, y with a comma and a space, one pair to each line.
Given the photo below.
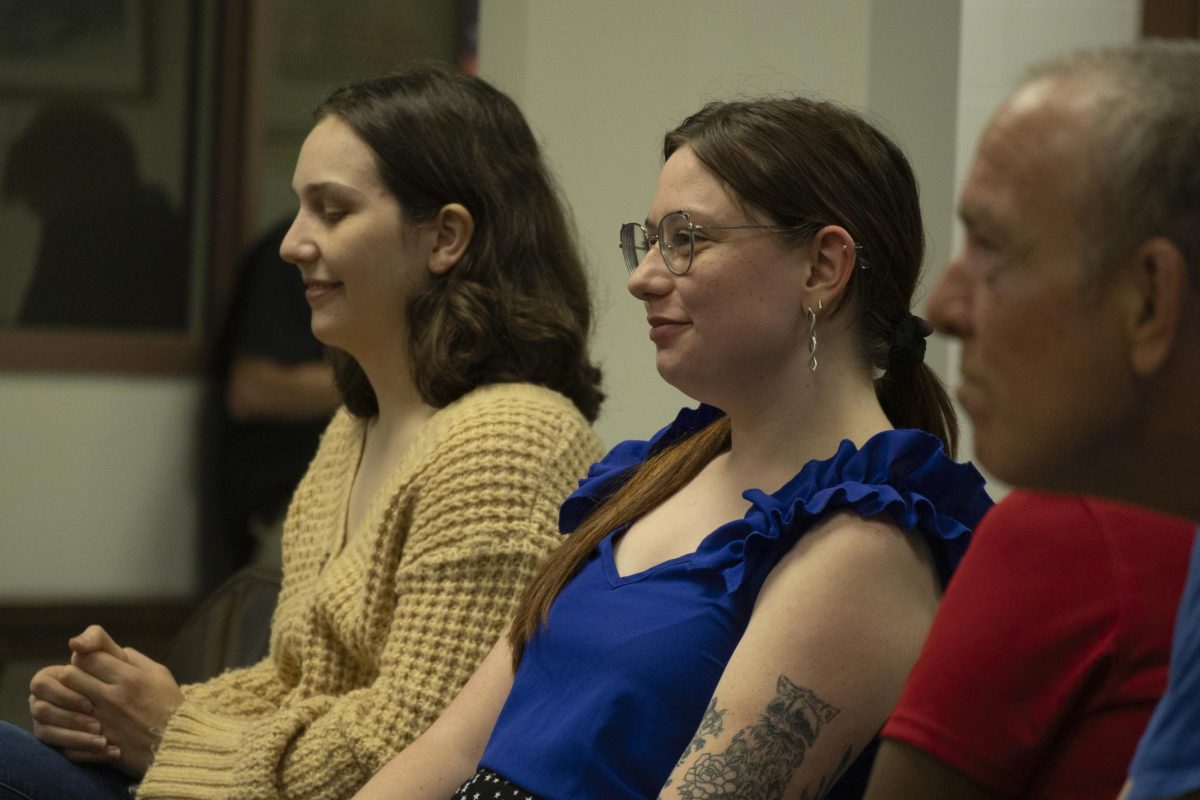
369, 645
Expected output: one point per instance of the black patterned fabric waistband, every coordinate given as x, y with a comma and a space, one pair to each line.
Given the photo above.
489, 785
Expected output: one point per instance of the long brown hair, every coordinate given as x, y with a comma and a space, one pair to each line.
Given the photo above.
806, 164
516, 307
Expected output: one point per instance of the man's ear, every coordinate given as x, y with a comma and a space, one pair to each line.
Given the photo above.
452, 228
833, 260
1157, 283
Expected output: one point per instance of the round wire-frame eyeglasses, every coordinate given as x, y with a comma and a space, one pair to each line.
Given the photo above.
676, 240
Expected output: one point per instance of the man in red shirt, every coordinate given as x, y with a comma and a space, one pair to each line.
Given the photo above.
1077, 299
1048, 653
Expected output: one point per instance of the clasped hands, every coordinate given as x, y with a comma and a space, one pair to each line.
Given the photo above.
108, 706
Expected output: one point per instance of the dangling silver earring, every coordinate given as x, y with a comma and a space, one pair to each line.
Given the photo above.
812, 337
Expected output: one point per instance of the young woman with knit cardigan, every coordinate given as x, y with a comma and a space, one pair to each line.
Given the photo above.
440, 265
741, 596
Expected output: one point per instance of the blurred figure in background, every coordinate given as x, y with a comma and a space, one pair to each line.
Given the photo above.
113, 252
274, 395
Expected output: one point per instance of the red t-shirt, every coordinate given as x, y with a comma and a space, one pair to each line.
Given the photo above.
1050, 647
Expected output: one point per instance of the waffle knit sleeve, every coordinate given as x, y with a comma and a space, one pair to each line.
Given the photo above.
471, 538
251, 691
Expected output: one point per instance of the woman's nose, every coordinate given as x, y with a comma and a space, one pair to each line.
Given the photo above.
296, 248
651, 278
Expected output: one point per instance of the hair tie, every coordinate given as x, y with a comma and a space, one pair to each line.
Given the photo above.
906, 348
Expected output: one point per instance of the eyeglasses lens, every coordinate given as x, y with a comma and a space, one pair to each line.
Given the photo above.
676, 240
633, 244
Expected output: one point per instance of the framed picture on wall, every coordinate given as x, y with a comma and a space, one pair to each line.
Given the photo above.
94, 46
112, 211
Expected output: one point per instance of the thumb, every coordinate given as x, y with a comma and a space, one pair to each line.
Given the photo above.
95, 639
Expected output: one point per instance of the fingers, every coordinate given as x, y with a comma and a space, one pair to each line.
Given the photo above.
111, 753
95, 639
47, 685
67, 738
45, 713
83, 683
101, 666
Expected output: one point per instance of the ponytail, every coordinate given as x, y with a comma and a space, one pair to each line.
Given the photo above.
918, 399
910, 393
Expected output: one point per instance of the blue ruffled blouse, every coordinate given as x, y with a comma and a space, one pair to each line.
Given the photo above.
611, 691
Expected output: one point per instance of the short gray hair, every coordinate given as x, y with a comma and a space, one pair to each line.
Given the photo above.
1145, 143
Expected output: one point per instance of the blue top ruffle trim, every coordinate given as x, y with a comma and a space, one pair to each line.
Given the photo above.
904, 474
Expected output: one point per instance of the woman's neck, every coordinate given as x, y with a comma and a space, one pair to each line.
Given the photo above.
400, 403
773, 434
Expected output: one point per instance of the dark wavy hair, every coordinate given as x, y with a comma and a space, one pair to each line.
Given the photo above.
516, 307
806, 164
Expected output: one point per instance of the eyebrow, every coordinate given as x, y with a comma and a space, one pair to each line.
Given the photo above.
648, 223
328, 187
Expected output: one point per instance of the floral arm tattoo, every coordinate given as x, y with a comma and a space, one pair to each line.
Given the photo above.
759, 761
712, 723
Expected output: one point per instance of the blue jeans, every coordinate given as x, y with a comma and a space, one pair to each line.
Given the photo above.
30, 770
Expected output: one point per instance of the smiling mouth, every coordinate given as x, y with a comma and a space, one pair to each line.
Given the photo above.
316, 290
661, 328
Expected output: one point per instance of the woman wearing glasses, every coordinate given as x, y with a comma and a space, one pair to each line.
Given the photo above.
439, 262
741, 596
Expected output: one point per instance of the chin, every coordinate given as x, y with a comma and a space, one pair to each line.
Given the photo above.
667, 370
322, 336
680, 379
328, 329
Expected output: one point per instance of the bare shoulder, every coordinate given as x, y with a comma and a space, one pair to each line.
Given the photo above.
864, 545
860, 572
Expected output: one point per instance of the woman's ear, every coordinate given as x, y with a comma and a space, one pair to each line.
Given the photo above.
452, 228
833, 257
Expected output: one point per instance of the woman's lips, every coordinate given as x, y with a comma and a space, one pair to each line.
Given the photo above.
662, 329
314, 291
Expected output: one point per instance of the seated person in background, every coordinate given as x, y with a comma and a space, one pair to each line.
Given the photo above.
440, 264
1048, 653
1077, 299
275, 394
742, 596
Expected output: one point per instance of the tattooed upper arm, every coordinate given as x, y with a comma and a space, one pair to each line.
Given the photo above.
760, 758
711, 724
835, 631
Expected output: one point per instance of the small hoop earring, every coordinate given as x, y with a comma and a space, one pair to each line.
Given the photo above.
812, 336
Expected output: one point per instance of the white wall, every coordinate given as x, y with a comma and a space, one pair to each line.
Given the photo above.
96, 487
